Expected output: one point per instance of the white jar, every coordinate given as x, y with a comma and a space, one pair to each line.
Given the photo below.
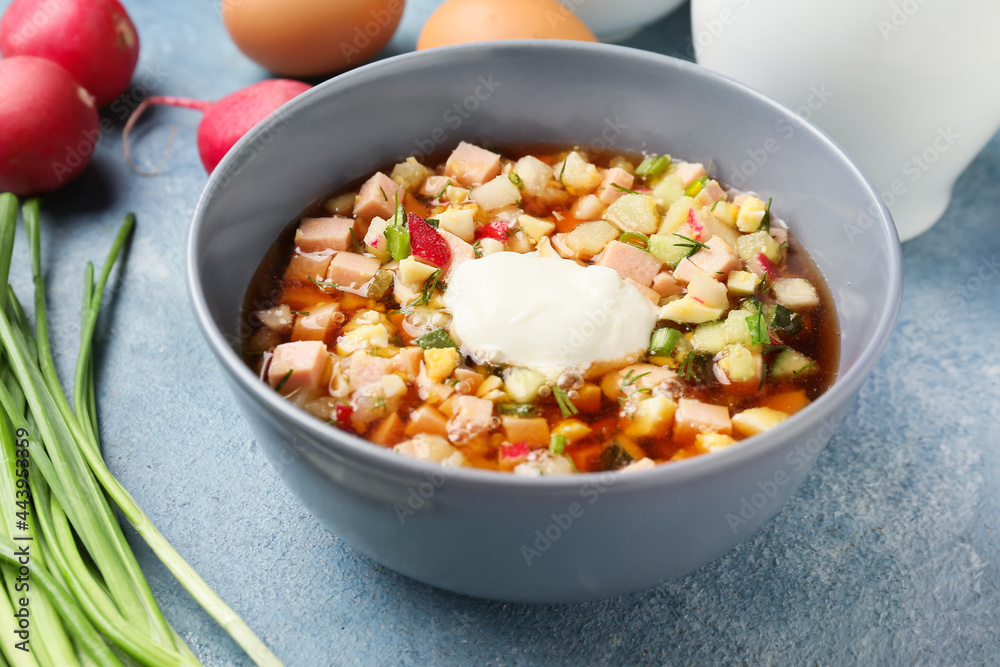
910, 88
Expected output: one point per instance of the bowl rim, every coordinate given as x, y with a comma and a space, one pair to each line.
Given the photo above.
374, 457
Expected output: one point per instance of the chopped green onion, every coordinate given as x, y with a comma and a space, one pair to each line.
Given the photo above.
438, 338
516, 180
652, 166
557, 444
663, 341
695, 187
565, 404
636, 239
517, 409
398, 241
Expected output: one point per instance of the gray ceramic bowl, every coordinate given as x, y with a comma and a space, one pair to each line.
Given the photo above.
502, 536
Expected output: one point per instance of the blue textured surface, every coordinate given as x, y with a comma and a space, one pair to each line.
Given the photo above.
888, 552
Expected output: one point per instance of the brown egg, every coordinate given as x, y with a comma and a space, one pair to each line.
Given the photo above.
311, 37
459, 21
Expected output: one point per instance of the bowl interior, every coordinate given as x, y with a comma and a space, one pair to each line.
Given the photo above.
593, 95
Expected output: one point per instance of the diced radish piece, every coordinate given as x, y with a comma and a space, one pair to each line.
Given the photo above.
426, 243
514, 450
762, 266
494, 230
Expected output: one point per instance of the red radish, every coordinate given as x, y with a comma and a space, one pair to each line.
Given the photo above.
494, 230
94, 40
514, 450
229, 118
426, 243
48, 123
767, 265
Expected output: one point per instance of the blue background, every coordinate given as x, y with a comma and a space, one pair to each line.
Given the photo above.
888, 553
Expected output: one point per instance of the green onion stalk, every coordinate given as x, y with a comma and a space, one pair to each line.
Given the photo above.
71, 590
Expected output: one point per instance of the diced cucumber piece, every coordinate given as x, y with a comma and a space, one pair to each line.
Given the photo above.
749, 245
669, 249
710, 337
737, 331
668, 190
523, 384
789, 364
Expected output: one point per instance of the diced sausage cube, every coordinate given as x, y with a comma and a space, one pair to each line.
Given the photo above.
689, 172
607, 192
645, 291
378, 197
311, 265
366, 370
687, 270
665, 284
460, 252
434, 186
297, 365
717, 260
427, 419
320, 320
407, 362
472, 165
693, 417
470, 417
349, 269
630, 262
710, 194
319, 234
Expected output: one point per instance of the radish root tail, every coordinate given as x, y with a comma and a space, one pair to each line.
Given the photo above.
183, 102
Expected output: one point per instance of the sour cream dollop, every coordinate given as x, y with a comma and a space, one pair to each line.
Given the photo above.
546, 313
